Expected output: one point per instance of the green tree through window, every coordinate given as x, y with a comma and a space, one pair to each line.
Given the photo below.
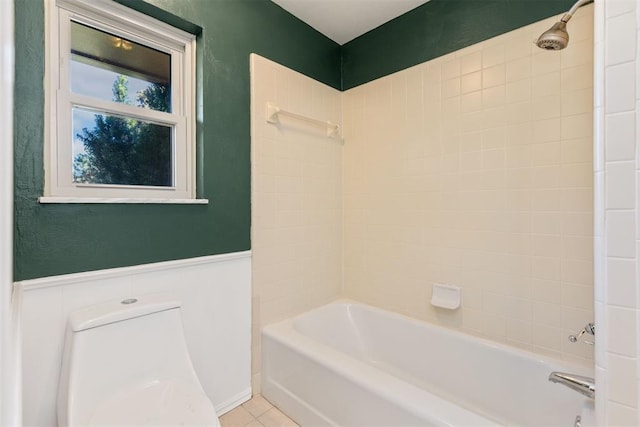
125, 151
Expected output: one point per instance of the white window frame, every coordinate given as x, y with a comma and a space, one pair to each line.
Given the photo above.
111, 17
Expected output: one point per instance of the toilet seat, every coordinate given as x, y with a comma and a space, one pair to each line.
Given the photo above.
160, 403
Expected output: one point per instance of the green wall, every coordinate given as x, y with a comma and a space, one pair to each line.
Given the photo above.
59, 239
434, 29
56, 239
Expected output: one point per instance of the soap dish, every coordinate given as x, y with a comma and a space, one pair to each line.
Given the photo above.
446, 296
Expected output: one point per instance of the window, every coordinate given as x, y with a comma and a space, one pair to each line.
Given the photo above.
121, 106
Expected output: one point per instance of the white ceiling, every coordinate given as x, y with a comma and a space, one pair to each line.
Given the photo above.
344, 20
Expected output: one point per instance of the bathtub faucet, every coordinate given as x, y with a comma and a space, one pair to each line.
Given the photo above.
589, 329
583, 385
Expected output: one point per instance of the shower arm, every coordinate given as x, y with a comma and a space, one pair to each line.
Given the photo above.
567, 16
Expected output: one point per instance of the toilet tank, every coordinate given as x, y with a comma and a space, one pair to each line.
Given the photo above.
120, 345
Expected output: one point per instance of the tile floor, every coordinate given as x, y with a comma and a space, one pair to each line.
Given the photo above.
256, 412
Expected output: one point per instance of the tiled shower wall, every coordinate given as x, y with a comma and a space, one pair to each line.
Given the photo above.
296, 224
475, 169
617, 240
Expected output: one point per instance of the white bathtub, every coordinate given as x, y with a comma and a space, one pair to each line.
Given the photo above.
348, 364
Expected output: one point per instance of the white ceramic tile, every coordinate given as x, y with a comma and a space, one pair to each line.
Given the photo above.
450, 87
548, 337
547, 130
546, 107
518, 69
518, 121
519, 45
471, 62
577, 126
620, 136
582, 23
577, 53
494, 326
578, 272
545, 62
493, 97
620, 97
622, 380
621, 39
518, 91
577, 199
471, 141
493, 55
579, 77
576, 150
577, 101
620, 234
620, 185
546, 85
494, 117
578, 224
493, 76
620, 415
547, 313
618, 7
430, 73
471, 82
493, 138
621, 282
546, 154
450, 69
577, 296
621, 331
471, 102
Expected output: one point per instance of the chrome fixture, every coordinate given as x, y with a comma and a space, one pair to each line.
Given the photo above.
589, 329
583, 385
556, 37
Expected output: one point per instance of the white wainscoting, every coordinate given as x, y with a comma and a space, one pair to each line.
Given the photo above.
216, 306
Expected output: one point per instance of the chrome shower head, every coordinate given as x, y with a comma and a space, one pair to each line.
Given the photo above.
555, 38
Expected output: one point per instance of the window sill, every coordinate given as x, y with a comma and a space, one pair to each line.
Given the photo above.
111, 200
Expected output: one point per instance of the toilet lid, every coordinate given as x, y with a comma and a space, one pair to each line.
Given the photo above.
161, 403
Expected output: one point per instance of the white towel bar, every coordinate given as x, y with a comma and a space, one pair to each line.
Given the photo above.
274, 111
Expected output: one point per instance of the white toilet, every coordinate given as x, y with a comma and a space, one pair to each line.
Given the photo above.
126, 363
